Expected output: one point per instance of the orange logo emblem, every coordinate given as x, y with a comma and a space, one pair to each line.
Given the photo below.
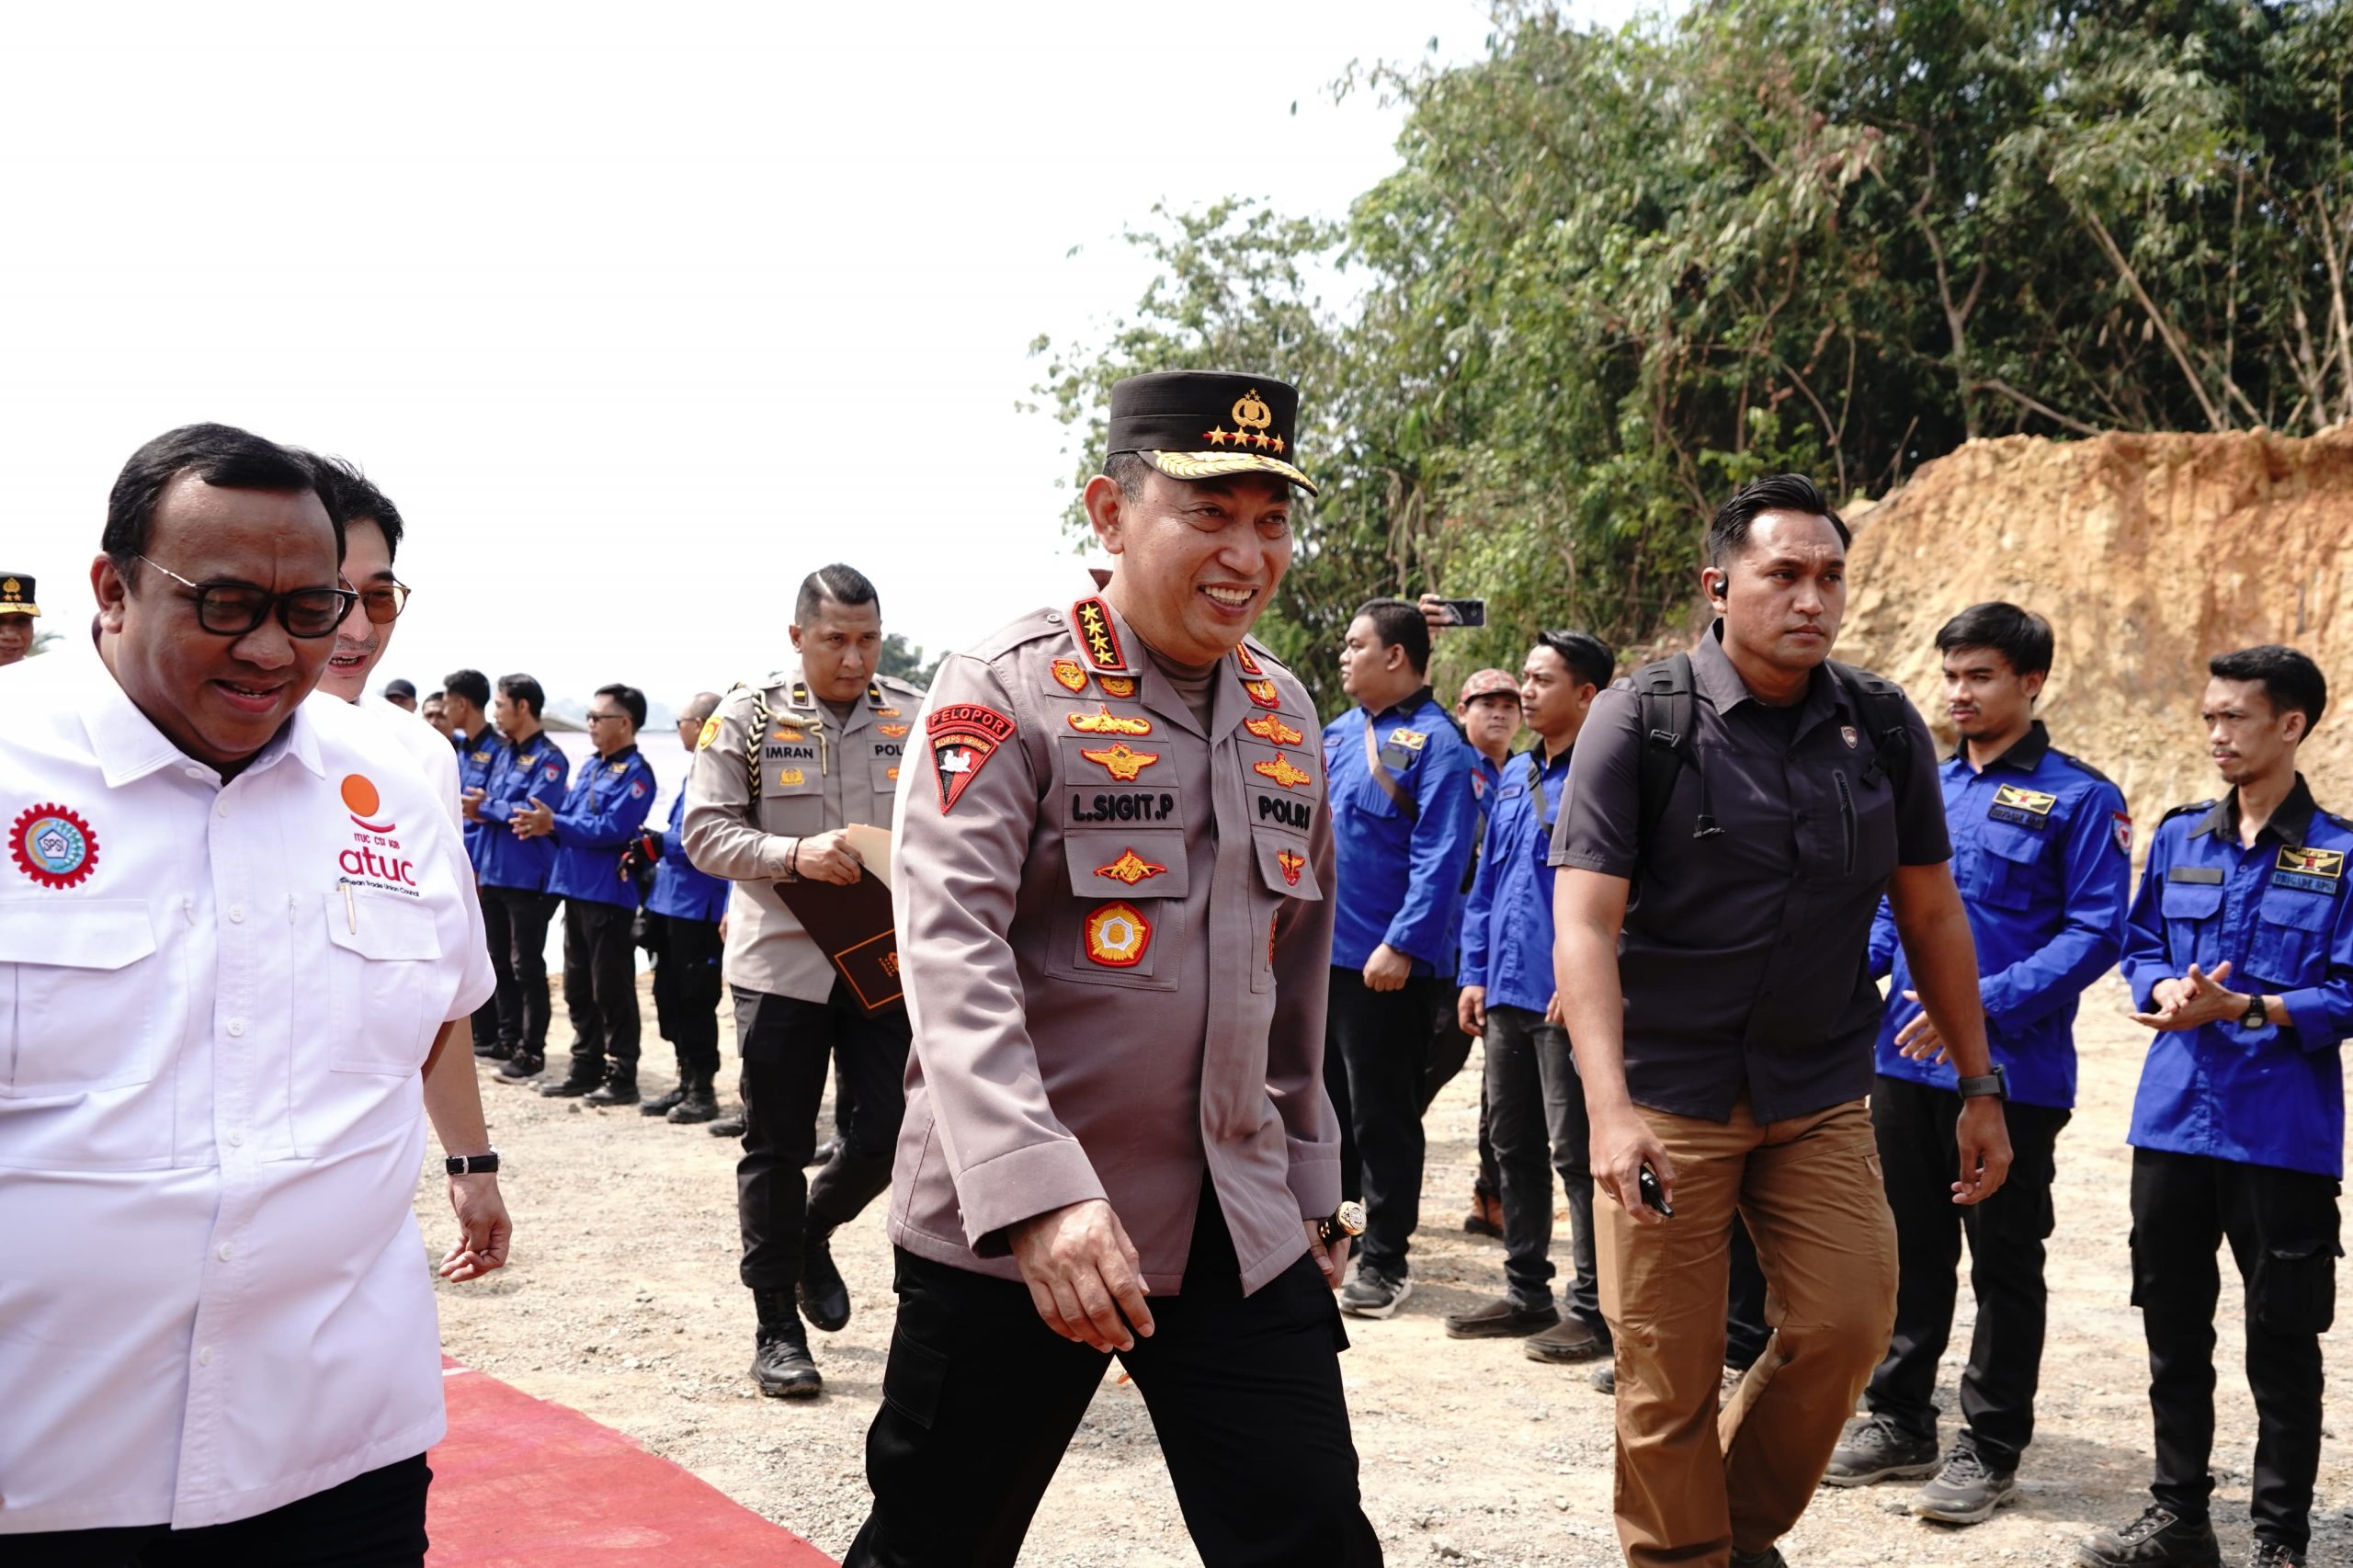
1291, 865
1069, 674
1117, 686
1118, 936
893, 731
1103, 722
1262, 692
1130, 868
359, 797
1123, 764
1283, 771
1273, 731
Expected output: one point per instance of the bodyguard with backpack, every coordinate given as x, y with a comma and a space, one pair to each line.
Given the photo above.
1729, 826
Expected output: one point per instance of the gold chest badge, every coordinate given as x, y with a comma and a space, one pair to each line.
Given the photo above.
1130, 868
1283, 771
1122, 764
1103, 722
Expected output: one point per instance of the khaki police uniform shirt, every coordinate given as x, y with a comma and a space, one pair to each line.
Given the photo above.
1115, 933
816, 774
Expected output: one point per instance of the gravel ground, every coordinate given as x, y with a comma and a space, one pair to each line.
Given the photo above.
622, 1301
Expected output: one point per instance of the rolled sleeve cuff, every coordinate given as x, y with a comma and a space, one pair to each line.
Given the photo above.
1019, 1186
1585, 860
2308, 1015
1314, 1178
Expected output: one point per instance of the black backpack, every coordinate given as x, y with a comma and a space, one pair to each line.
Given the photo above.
1669, 715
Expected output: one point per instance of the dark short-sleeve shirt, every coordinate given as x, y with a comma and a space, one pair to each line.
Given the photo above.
1743, 958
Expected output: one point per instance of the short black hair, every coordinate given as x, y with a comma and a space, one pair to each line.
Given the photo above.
1775, 493
401, 688
220, 455
632, 701
350, 497
1588, 658
1127, 469
1400, 625
473, 685
841, 585
436, 695
2291, 682
2019, 635
525, 690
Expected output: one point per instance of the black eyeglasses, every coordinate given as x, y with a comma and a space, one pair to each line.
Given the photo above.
605, 718
384, 601
232, 609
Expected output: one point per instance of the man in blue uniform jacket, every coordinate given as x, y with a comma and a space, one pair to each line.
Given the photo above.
601, 813
1399, 786
2240, 955
683, 911
512, 869
2042, 854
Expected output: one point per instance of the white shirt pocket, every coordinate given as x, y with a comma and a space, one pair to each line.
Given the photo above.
78, 983
386, 991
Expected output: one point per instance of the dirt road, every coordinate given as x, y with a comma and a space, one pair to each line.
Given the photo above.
622, 1301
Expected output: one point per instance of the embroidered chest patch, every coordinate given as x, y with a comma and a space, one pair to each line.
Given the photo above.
964, 736
2310, 871
1130, 868
54, 845
1270, 729
2026, 808
1118, 936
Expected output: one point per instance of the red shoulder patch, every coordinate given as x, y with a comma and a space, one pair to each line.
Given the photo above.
964, 735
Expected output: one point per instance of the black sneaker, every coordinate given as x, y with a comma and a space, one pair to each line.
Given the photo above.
570, 1086
494, 1050
521, 1065
612, 1091
1372, 1294
2158, 1538
2274, 1554
727, 1125
1876, 1448
822, 1293
784, 1367
660, 1105
1966, 1492
1503, 1318
1569, 1341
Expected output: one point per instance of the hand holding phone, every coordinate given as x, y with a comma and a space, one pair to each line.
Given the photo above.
1652, 1194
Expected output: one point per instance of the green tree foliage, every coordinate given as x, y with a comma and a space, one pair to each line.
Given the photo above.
1616, 274
904, 660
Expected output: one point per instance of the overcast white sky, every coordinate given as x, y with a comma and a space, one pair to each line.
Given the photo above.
637, 314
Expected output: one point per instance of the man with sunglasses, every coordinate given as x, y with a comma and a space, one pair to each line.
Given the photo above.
237, 927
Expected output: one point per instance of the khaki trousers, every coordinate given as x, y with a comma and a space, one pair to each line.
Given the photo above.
1693, 1484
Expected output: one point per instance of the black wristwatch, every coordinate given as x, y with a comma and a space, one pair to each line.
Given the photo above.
1996, 1084
471, 1164
2255, 1015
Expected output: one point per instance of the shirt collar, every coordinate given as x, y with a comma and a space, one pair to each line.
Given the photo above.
2025, 754
128, 746
2288, 824
1720, 682
1406, 708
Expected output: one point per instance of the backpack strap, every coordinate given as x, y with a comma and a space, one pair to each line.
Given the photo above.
1669, 713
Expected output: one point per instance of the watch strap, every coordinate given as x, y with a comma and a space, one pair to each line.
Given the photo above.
2256, 1014
1996, 1084
471, 1164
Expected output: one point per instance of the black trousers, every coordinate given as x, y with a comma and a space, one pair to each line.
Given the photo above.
1919, 1154
1376, 1048
516, 923
373, 1520
685, 988
785, 1044
981, 1398
1537, 1118
2282, 1227
600, 988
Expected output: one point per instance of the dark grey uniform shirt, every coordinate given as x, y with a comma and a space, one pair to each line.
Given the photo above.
1742, 960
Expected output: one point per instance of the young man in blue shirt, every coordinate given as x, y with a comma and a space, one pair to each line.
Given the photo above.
1398, 778
1535, 1101
602, 812
2239, 954
512, 869
2041, 852
684, 910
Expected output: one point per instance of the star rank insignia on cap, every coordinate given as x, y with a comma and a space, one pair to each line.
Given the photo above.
1103, 722
1122, 764
1283, 771
964, 736
1200, 425
1118, 935
1130, 868
1069, 673
1292, 863
1273, 731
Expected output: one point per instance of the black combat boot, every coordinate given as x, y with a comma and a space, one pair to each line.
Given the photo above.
782, 1366
661, 1105
619, 1088
699, 1104
824, 1295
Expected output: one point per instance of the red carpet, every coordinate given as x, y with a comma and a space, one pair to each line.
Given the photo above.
520, 1483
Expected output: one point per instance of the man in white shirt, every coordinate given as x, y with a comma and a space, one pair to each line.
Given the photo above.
234, 927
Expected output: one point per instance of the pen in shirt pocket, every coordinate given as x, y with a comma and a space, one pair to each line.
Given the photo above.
350, 907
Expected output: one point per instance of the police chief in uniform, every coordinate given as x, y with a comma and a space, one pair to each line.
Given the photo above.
781, 768
1113, 869
17, 613
2239, 953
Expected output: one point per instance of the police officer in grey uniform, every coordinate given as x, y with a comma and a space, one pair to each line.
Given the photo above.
827, 731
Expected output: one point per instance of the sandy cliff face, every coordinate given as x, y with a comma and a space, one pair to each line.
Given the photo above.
2148, 555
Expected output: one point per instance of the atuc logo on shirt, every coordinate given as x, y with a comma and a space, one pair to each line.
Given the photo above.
375, 861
